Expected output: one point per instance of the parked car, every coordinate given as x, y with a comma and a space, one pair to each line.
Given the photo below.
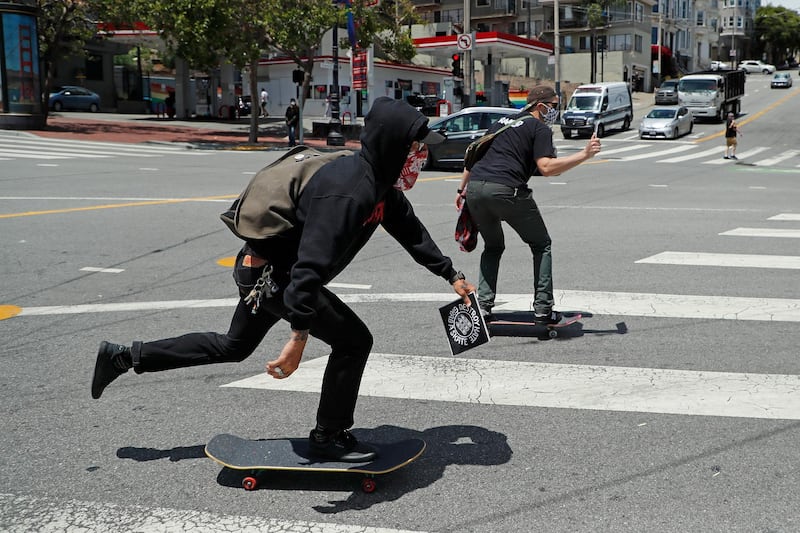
71, 97
752, 66
781, 79
719, 65
667, 122
668, 93
459, 130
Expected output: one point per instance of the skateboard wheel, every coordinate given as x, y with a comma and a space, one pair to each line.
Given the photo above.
250, 483
552, 334
368, 485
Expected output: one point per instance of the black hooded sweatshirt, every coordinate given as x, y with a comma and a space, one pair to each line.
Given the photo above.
343, 204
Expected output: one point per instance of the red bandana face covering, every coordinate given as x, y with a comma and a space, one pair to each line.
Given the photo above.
410, 173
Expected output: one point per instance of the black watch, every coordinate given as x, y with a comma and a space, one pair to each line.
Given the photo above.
455, 277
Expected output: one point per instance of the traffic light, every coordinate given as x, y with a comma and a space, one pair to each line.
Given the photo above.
456, 65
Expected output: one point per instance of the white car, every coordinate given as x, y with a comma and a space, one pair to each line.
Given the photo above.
668, 122
751, 65
720, 65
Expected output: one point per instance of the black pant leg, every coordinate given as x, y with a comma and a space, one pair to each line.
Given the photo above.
350, 341
244, 335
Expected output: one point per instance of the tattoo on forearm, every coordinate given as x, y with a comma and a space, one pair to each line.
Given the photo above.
299, 335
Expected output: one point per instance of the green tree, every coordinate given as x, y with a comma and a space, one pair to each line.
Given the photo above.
64, 26
776, 33
204, 32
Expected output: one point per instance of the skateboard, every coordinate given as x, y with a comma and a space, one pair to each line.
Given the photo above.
528, 328
259, 456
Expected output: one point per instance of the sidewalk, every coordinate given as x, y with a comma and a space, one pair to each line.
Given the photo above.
203, 133
199, 132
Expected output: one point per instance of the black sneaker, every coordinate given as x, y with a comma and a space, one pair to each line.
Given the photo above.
113, 360
553, 317
340, 446
734, 157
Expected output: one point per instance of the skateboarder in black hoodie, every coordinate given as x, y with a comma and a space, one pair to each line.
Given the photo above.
337, 212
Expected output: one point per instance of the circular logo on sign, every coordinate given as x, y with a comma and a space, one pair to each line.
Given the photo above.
463, 325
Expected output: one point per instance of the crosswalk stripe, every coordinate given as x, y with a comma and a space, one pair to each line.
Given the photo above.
70, 150
20, 514
604, 153
80, 155
786, 216
778, 158
97, 144
595, 302
562, 386
723, 260
29, 155
763, 232
741, 155
687, 157
675, 149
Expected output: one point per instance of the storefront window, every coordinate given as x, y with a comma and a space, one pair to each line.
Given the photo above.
21, 77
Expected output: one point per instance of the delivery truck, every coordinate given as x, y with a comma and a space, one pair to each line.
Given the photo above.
712, 93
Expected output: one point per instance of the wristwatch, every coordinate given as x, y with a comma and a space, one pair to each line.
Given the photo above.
455, 277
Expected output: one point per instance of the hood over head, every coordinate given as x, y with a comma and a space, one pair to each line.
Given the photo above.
389, 129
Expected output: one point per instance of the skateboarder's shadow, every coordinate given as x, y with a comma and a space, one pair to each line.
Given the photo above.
446, 445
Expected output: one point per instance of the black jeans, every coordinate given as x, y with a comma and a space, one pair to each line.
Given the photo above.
335, 324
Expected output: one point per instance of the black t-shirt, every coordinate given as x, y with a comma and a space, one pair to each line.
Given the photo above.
730, 128
511, 159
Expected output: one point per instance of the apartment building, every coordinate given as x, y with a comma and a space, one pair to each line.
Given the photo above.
621, 44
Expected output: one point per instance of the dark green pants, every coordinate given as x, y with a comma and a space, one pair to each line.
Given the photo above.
491, 204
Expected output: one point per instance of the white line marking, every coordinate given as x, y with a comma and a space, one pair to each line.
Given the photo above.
786, 216
78, 149
695, 155
46, 165
138, 147
603, 388
657, 186
348, 286
50, 151
148, 168
648, 155
741, 155
26, 513
723, 260
764, 232
28, 155
596, 302
604, 153
104, 270
777, 159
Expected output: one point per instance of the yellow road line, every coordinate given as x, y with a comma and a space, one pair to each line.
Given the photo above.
116, 206
752, 117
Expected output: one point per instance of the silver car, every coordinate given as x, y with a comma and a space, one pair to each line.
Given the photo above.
667, 93
781, 79
668, 122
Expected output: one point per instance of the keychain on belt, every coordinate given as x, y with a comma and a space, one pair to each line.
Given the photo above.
263, 284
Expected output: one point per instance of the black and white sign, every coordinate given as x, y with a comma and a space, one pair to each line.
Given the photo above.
464, 41
464, 325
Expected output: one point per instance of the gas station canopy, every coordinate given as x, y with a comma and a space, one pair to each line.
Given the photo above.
496, 44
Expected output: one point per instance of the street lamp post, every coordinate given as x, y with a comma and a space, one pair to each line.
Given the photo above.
335, 137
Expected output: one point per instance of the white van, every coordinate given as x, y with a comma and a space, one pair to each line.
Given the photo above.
597, 107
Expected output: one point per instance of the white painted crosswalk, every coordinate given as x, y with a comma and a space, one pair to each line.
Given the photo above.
35, 148
680, 151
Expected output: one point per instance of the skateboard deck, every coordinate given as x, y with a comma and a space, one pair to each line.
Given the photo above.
260, 456
505, 327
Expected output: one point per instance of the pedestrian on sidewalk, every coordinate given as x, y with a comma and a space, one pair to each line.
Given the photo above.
264, 103
496, 190
318, 230
292, 118
731, 132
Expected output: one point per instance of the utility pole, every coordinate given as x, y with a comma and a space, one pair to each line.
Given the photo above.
335, 137
466, 67
557, 49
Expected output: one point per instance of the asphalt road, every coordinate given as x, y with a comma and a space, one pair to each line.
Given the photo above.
672, 407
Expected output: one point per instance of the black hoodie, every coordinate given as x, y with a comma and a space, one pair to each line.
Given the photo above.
343, 204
